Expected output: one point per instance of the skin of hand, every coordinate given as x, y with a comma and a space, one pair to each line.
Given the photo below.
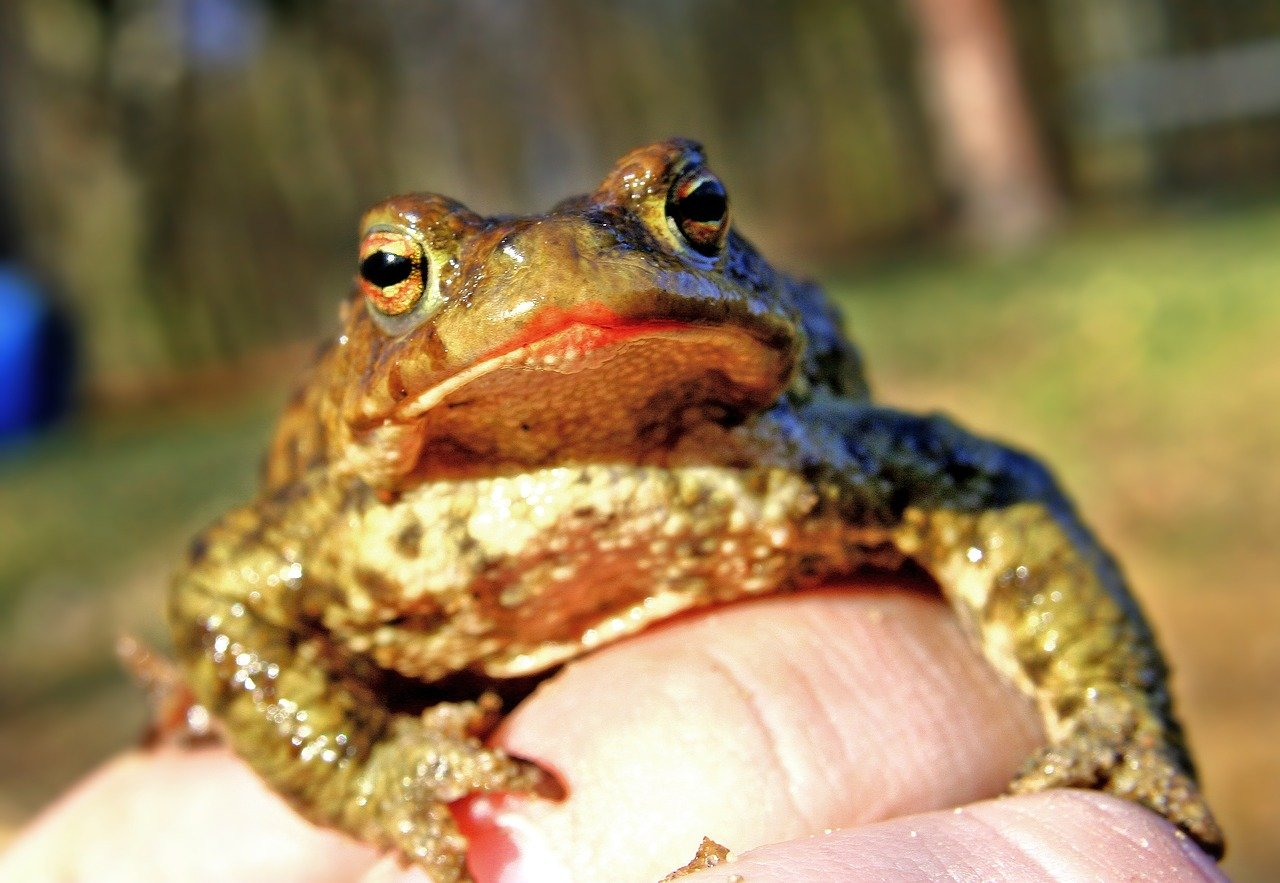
839, 727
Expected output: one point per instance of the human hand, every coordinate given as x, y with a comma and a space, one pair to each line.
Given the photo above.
864, 712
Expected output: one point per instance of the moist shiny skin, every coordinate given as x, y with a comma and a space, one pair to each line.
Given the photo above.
535, 435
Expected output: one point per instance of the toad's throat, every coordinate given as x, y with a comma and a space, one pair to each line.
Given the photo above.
588, 392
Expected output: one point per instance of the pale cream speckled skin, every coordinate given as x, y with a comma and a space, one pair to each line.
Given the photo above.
580, 427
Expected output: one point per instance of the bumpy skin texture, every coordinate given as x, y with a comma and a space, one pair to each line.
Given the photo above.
558, 429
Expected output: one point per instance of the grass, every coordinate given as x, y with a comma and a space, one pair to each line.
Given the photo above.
92, 519
1138, 359
118, 483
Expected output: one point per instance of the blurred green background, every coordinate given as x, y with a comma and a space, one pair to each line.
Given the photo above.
1056, 219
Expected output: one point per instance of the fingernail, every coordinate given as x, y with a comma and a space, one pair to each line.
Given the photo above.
1207, 867
505, 845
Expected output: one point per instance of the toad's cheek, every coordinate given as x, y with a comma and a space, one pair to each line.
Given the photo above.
764, 721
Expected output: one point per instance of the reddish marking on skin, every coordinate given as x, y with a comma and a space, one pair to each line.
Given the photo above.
593, 325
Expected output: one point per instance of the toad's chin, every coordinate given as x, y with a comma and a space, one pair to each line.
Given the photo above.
591, 393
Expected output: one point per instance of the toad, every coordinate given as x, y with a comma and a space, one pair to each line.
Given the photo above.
533, 436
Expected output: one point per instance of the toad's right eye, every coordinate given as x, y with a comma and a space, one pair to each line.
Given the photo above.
698, 209
393, 271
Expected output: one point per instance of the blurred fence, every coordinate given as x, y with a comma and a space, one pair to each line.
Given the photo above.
187, 172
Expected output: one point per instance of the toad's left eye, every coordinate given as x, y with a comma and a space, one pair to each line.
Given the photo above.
393, 271
698, 208
385, 268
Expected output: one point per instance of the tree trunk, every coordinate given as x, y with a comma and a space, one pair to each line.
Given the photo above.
988, 143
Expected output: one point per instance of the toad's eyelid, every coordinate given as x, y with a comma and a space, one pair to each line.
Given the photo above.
389, 231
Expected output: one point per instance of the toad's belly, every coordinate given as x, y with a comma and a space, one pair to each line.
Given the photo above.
515, 574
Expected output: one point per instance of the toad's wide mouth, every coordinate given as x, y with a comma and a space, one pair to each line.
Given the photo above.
591, 386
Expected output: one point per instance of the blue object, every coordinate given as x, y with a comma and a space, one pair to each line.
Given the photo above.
35, 356
222, 33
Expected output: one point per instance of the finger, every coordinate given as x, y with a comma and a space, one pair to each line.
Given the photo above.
1058, 835
179, 815
752, 724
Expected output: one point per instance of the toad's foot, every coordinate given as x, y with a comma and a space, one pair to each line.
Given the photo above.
400, 798
1106, 749
174, 716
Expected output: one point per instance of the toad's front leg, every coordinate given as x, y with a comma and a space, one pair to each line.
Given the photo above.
1045, 604
303, 714
1050, 610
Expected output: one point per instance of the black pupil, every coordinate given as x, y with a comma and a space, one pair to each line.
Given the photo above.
705, 204
383, 268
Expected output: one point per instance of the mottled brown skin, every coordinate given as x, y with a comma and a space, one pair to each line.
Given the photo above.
562, 428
